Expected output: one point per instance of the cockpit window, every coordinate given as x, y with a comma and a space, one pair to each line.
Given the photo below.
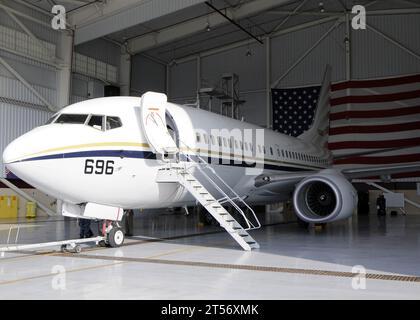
51, 120
113, 123
72, 118
96, 122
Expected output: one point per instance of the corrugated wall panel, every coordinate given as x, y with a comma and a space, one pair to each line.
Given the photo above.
15, 121
183, 82
14, 89
33, 72
40, 31
287, 49
147, 75
374, 56
102, 50
250, 69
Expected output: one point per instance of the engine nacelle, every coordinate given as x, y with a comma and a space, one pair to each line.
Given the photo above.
324, 197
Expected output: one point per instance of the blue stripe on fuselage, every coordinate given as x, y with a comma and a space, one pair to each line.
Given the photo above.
151, 156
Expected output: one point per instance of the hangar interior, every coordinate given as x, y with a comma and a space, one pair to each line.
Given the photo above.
227, 57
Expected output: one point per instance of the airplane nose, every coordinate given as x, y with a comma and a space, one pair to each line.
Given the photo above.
10, 153
18, 148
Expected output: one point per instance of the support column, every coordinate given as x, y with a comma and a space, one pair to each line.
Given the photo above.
348, 48
198, 80
65, 56
125, 72
268, 81
168, 80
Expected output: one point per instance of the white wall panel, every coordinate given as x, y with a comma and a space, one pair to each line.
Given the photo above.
15, 121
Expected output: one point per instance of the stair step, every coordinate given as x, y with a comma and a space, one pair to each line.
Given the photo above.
214, 207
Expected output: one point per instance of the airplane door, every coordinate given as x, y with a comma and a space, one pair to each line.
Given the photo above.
153, 117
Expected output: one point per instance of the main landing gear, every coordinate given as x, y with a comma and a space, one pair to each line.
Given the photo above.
113, 233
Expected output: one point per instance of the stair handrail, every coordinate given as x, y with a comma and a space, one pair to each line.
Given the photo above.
251, 225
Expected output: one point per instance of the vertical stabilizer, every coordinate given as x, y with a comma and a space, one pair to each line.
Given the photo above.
318, 132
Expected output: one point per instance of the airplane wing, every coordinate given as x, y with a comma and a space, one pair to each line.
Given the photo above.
356, 173
279, 180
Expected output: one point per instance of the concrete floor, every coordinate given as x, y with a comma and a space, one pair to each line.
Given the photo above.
172, 258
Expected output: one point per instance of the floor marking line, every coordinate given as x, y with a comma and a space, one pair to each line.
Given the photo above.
67, 271
390, 277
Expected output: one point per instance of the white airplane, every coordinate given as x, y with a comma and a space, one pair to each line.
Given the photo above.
106, 155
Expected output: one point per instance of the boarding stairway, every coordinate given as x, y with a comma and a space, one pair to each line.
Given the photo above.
181, 172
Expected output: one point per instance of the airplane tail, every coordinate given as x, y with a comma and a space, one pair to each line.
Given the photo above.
318, 132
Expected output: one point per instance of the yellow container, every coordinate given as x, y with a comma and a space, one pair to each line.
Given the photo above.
30, 210
9, 207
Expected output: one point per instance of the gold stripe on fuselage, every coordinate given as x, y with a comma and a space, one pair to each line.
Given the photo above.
146, 145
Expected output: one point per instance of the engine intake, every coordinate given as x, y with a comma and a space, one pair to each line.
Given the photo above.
324, 197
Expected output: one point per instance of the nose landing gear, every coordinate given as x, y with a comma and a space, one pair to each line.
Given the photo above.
113, 233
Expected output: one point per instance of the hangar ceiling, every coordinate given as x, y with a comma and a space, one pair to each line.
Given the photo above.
188, 27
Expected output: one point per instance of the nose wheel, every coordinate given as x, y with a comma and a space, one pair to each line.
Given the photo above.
114, 235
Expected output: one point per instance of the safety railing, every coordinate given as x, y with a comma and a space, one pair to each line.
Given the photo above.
232, 199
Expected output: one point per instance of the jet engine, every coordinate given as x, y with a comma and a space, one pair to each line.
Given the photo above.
324, 197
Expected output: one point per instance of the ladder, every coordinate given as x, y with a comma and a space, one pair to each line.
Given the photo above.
180, 173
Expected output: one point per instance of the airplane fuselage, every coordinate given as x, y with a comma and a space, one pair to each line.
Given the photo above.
116, 166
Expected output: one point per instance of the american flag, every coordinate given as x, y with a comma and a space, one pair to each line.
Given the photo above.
370, 121
294, 109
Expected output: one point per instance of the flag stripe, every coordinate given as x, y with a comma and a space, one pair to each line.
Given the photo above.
376, 98
371, 121
380, 160
376, 129
375, 113
374, 144
375, 83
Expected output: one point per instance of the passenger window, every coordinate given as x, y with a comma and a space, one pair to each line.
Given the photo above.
246, 146
212, 139
206, 139
96, 122
271, 150
113, 123
220, 141
72, 118
264, 150
236, 144
242, 145
198, 137
259, 148
224, 142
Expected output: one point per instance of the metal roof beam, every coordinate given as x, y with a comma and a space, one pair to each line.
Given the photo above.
332, 13
105, 17
196, 25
